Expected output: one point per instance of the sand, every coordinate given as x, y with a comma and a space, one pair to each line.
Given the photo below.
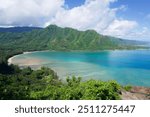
25, 61
28, 62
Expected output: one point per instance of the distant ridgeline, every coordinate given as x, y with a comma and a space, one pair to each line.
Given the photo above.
19, 39
18, 29
16, 83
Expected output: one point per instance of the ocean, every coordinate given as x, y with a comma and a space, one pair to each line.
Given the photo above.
128, 67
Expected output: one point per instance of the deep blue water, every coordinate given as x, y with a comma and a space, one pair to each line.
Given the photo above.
127, 67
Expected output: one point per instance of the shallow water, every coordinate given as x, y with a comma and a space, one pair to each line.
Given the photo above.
126, 67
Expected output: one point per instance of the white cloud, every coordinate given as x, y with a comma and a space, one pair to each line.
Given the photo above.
140, 34
28, 12
120, 28
128, 30
97, 15
93, 14
121, 8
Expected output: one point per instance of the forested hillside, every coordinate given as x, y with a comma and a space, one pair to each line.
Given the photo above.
57, 38
44, 84
16, 83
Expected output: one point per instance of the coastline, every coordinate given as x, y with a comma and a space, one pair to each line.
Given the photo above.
10, 59
30, 61
26, 62
28, 52
136, 93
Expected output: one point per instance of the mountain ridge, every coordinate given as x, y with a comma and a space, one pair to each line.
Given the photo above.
18, 29
55, 27
59, 39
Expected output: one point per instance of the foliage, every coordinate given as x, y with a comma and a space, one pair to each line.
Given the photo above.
44, 84
127, 87
56, 38
16, 83
76, 90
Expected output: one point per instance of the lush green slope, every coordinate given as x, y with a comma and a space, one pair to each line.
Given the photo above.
54, 37
16, 83
57, 38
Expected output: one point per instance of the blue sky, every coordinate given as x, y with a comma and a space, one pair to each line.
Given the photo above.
135, 10
74, 3
128, 19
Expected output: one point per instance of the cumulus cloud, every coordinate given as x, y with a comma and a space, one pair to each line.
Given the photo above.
93, 14
140, 34
28, 12
97, 15
120, 28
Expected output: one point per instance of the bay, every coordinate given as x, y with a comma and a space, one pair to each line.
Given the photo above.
128, 67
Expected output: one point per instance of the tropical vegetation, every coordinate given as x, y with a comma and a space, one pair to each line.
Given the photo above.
17, 83
44, 84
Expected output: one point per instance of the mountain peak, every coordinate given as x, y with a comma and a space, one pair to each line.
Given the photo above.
52, 26
57, 38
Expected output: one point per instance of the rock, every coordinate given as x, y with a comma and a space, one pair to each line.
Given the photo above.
136, 93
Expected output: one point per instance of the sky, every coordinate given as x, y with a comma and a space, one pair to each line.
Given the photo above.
128, 19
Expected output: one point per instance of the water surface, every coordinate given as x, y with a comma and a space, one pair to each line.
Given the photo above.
127, 67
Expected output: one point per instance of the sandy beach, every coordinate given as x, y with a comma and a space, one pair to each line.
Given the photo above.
25, 61
29, 62
11, 59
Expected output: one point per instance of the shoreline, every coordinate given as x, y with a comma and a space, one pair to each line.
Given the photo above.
34, 62
28, 52
136, 92
9, 60
26, 62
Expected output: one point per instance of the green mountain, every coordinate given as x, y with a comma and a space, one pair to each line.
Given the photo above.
44, 84
57, 38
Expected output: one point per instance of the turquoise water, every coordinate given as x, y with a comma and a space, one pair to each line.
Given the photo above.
126, 67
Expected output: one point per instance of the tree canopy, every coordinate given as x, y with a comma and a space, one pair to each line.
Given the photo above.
44, 84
